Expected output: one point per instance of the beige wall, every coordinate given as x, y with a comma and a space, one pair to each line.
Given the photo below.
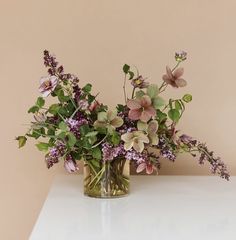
93, 39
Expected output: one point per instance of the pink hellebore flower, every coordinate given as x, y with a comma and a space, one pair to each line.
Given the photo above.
148, 166
141, 108
71, 166
94, 106
47, 85
174, 79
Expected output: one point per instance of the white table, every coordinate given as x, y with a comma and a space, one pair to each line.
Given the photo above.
158, 207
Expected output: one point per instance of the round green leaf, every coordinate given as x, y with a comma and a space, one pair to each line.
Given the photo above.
187, 98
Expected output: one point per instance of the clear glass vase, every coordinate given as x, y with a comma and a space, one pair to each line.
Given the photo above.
108, 179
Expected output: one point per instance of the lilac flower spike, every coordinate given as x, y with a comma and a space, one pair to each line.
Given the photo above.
47, 85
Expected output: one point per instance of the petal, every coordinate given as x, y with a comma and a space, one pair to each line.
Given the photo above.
153, 126
43, 79
145, 101
151, 111
46, 93
149, 169
180, 82
128, 145
178, 72
145, 116
138, 146
127, 137
166, 78
169, 72
133, 104
153, 138
117, 122
141, 136
54, 80
141, 167
99, 124
135, 114
102, 116
111, 115
142, 126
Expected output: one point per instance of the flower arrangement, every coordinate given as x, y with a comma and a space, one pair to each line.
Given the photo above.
142, 130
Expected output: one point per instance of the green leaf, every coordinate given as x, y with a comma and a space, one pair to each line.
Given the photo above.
34, 134
91, 98
33, 109
174, 115
101, 130
120, 108
139, 94
161, 116
42, 146
61, 96
95, 163
84, 129
21, 141
126, 68
63, 111
51, 142
187, 98
152, 90
131, 75
96, 153
178, 105
76, 155
115, 138
92, 140
71, 139
40, 102
61, 135
63, 126
158, 102
54, 108
87, 88
91, 134
51, 132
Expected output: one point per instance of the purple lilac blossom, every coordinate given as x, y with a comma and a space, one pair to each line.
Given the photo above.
55, 153
217, 165
74, 125
109, 152
128, 125
77, 93
54, 70
165, 150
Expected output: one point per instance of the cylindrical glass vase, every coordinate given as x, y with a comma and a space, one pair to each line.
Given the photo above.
108, 179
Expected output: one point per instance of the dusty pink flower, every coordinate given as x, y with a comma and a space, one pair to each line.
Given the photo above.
47, 85
145, 166
141, 108
174, 78
94, 105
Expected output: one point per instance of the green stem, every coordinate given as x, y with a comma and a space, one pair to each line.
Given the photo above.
100, 141
133, 92
125, 96
45, 135
97, 177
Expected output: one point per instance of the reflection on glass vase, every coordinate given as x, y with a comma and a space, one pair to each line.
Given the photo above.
106, 179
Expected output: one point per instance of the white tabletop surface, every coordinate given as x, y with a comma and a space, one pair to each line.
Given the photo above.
158, 207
